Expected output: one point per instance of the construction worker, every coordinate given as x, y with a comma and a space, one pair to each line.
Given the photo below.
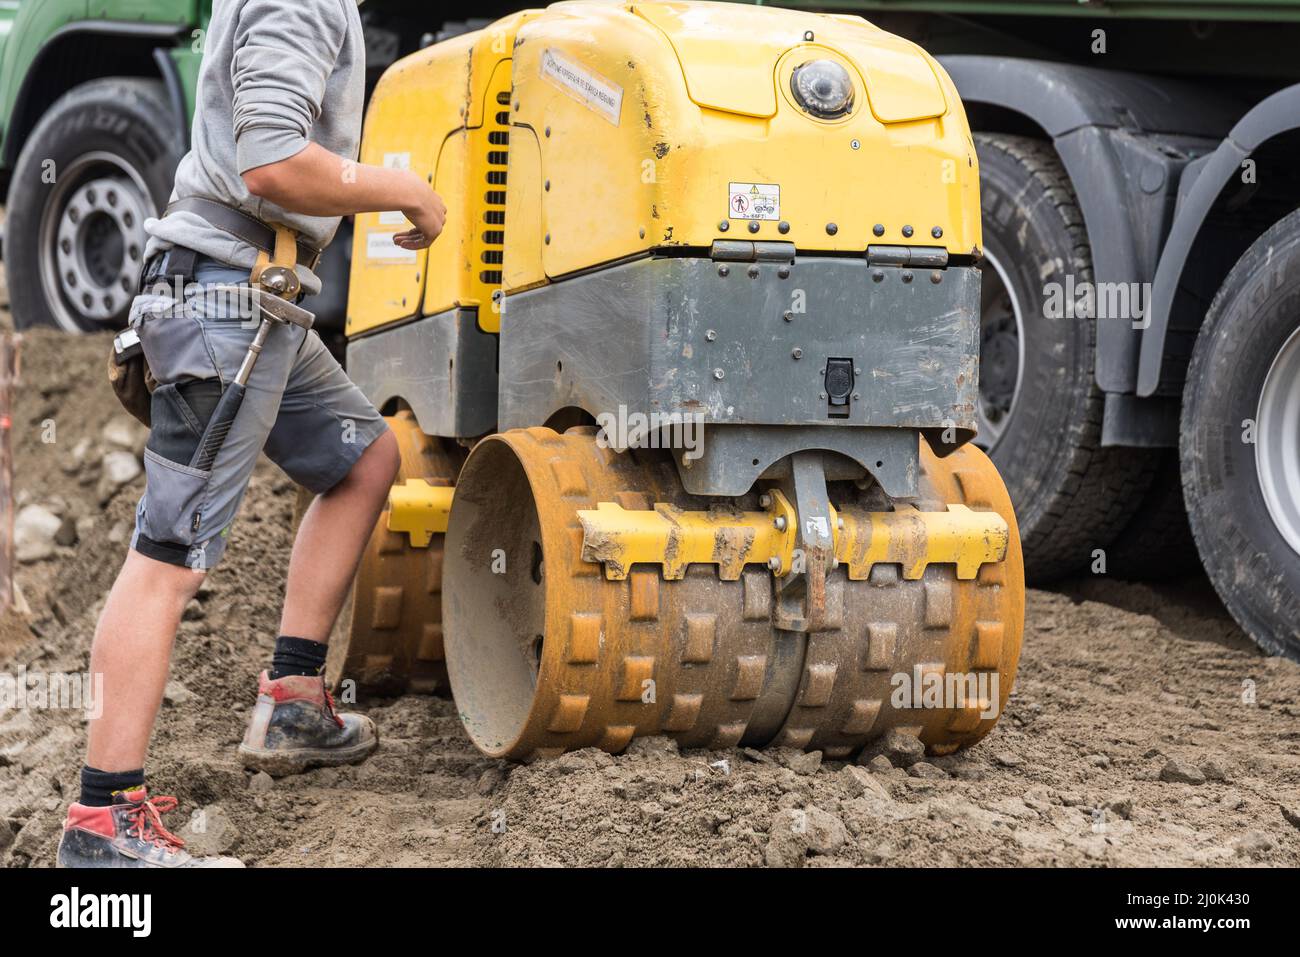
276, 132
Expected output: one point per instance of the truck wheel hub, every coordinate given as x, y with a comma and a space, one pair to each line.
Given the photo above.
1277, 441
99, 246
1001, 352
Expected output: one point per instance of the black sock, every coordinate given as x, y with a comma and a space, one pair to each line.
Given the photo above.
297, 656
97, 786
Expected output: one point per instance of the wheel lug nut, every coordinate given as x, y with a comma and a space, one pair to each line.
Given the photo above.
774, 563
779, 522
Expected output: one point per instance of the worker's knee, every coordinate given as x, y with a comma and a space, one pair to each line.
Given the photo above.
376, 469
177, 582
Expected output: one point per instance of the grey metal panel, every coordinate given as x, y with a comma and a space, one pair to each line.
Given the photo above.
1127, 187
1123, 138
731, 458
1278, 114
687, 336
443, 367
1061, 97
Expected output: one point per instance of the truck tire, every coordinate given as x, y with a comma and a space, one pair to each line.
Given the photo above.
100, 162
1040, 408
1157, 544
1241, 440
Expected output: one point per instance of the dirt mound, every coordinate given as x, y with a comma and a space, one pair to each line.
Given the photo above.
1144, 728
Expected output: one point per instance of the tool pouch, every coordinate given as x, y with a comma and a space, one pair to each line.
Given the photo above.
129, 375
128, 369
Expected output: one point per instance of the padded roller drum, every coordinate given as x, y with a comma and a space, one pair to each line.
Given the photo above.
546, 654
393, 637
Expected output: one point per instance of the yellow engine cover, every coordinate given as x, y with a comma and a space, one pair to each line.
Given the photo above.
591, 132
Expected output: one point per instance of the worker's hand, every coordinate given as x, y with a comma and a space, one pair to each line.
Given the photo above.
428, 218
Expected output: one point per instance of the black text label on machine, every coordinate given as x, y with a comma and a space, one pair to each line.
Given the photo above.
588, 88
753, 201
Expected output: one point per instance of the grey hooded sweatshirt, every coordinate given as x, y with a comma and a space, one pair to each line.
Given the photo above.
276, 75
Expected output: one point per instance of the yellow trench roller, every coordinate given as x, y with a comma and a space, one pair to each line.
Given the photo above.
762, 221
552, 652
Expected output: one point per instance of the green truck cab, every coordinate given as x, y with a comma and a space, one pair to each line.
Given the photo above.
95, 100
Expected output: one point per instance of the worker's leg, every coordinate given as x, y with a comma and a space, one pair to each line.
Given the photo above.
329, 439
331, 538
130, 654
182, 526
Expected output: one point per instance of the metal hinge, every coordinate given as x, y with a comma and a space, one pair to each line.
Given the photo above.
742, 251
920, 257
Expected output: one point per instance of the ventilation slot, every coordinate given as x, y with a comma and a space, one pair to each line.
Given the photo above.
493, 241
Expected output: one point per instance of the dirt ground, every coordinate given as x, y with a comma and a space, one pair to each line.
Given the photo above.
1144, 728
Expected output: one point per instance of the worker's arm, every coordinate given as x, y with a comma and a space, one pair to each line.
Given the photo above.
285, 53
316, 182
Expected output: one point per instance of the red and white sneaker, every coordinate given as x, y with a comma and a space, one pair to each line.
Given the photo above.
295, 727
127, 833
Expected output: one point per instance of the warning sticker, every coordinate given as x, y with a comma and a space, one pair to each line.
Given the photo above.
381, 246
754, 201
590, 89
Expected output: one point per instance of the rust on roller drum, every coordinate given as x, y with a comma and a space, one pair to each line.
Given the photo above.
546, 654
935, 656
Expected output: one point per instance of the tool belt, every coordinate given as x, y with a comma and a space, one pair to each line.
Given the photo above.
279, 252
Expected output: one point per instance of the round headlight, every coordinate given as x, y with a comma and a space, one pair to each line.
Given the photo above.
823, 88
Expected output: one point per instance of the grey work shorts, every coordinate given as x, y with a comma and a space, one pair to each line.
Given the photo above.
300, 408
